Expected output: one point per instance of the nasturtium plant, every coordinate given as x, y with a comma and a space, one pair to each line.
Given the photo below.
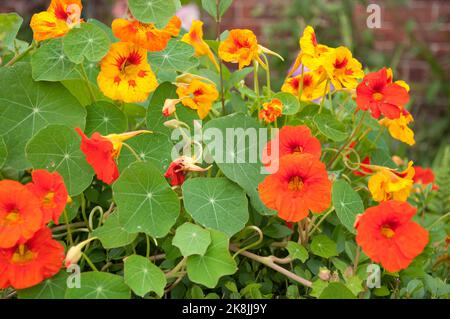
145, 161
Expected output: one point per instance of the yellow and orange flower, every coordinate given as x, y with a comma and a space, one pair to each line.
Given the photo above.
301, 184
27, 264
20, 214
342, 68
313, 86
125, 74
195, 38
198, 96
387, 234
146, 35
398, 128
241, 46
271, 110
60, 17
388, 184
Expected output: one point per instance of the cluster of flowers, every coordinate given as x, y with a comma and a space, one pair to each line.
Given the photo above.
28, 254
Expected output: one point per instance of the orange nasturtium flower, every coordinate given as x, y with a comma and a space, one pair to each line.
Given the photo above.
398, 128
313, 87
20, 213
195, 38
146, 35
424, 176
50, 189
387, 184
378, 93
125, 74
301, 184
27, 264
342, 68
292, 140
388, 236
60, 17
101, 152
198, 96
271, 110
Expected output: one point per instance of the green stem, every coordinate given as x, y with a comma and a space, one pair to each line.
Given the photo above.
256, 86
437, 221
21, 55
316, 226
69, 232
269, 89
147, 253
132, 152
88, 83
90, 263
324, 96
222, 98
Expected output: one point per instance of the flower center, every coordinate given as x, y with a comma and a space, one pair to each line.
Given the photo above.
22, 255
297, 149
387, 231
377, 96
48, 200
12, 216
295, 183
340, 64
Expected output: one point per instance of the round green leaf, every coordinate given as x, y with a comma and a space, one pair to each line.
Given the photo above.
247, 172
50, 288
347, 203
330, 127
3, 152
154, 11
105, 118
112, 234
191, 239
290, 103
27, 106
99, 285
50, 63
145, 200
216, 203
87, 41
215, 263
155, 148
57, 148
176, 56
323, 246
336, 290
142, 276
297, 251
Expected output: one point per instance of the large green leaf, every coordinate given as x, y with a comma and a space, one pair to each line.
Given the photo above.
153, 11
50, 288
155, 148
146, 202
216, 203
347, 203
105, 118
323, 246
99, 285
330, 127
57, 148
50, 63
245, 166
336, 290
142, 276
191, 239
176, 56
27, 106
9, 27
3, 152
112, 234
215, 263
87, 41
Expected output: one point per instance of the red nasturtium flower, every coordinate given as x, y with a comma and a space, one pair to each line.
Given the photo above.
60, 17
293, 140
20, 213
424, 176
27, 264
146, 35
301, 184
177, 170
378, 93
388, 236
51, 191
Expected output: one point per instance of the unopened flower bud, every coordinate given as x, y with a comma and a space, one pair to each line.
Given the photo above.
75, 252
173, 124
398, 160
324, 274
169, 106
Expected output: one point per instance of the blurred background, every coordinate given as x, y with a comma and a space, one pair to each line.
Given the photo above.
414, 39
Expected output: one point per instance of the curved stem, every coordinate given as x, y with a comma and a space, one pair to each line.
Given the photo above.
316, 226
132, 151
256, 243
90, 263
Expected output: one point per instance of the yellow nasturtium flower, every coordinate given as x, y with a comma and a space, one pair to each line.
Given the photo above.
125, 74
388, 184
313, 85
195, 38
198, 96
342, 68
60, 17
398, 128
